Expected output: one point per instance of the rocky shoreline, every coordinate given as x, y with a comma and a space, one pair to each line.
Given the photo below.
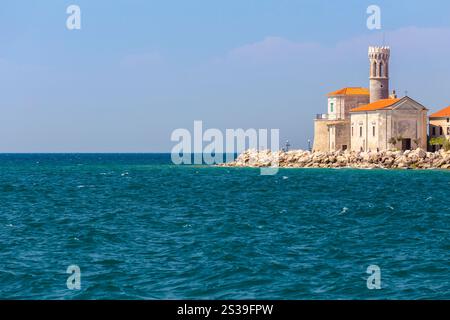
414, 159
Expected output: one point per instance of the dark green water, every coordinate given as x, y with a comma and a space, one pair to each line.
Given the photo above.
141, 228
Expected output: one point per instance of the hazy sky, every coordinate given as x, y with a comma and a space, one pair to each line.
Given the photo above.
137, 70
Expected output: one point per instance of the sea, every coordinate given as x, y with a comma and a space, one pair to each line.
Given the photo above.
136, 226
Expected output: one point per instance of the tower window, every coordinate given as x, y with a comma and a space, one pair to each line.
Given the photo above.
352, 131
373, 131
360, 131
331, 107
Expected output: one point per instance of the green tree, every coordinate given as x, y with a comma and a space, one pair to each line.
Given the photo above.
438, 141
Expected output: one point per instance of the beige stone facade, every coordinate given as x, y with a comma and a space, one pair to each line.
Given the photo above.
331, 135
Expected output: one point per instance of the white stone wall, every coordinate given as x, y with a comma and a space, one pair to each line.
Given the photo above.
410, 124
359, 131
332, 138
407, 124
339, 135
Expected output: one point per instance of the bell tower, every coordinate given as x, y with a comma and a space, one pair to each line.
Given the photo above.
379, 73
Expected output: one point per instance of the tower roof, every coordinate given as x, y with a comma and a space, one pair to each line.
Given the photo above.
350, 91
380, 104
441, 113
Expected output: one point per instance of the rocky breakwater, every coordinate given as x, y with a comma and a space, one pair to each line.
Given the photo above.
410, 159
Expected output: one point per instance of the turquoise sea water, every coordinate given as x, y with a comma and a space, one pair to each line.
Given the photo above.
141, 228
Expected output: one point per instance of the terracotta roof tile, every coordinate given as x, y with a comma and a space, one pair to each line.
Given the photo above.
380, 104
441, 113
350, 92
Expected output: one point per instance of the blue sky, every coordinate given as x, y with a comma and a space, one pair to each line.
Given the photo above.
137, 70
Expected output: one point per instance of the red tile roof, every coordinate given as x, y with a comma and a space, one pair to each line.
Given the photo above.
350, 92
380, 104
441, 113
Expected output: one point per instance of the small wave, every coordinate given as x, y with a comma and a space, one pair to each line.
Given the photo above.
344, 210
284, 177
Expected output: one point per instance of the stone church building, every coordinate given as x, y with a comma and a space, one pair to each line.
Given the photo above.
361, 120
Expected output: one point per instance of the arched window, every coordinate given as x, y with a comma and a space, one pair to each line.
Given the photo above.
374, 69
381, 74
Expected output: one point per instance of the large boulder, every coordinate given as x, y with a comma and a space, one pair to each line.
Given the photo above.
418, 153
